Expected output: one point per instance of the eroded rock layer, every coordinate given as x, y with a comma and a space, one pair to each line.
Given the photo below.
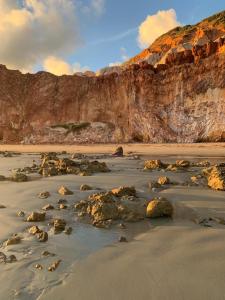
182, 100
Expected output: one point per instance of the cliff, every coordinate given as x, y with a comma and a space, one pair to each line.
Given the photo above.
182, 100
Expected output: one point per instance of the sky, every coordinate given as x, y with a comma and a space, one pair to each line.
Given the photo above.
68, 36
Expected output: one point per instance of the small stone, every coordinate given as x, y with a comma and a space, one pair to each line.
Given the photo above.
36, 217
122, 226
2, 206
63, 206
54, 266
2, 178
122, 239
21, 214
47, 253
38, 266
59, 225
62, 201
163, 180
48, 207
68, 230
2, 257
44, 195
34, 230
64, 191
85, 187
13, 241
42, 236
11, 259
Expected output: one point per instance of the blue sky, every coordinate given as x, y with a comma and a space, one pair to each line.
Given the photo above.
122, 16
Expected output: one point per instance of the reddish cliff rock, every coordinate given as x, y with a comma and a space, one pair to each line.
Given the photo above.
180, 100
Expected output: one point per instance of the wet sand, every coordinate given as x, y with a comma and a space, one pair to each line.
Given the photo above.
175, 259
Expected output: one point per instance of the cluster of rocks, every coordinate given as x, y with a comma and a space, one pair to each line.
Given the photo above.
159, 165
51, 165
7, 259
120, 204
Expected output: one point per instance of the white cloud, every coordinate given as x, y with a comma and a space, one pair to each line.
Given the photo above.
58, 66
156, 25
36, 29
115, 64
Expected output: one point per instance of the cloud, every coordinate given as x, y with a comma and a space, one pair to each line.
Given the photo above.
94, 6
32, 30
156, 25
58, 66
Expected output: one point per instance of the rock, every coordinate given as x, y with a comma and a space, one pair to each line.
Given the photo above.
64, 191
204, 163
124, 191
216, 178
48, 207
81, 205
19, 177
85, 187
172, 168
47, 253
153, 185
130, 211
153, 165
102, 211
34, 230
42, 236
122, 226
163, 180
68, 230
123, 239
2, 206
62, 206
21, 214
183, 163
85, 173
118, 152
62, 201
102, 224
36, 217
59, 225
49, 171
54, 266
44, 195
159, 208
2, 178
13, 241
3, 257
11, 259
38, 266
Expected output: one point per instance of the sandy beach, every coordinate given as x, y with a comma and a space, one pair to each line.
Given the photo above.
163, 259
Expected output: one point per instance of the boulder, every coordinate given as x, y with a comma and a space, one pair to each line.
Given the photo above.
64, 191
36, 217
102, 211
216, 178
159, 208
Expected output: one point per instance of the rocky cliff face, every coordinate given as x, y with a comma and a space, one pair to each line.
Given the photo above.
182, 100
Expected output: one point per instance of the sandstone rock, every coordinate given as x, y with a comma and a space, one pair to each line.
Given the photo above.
11, 259
182, 163
85, 187
21, 214
3, 257
13, 241
102, 224
81, 205
2, 178
19, 177
34, 230
172, 168
48, 207
153, 185
159, 208
63, 206
124, 191
59, 225
163, 180
49, 171
39, 267
44, 195
64, 191
54, 266
153, 165
36, 217
42, 236
2, 206
68, 230
102, 211
216, 179
118, 152
47, 253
